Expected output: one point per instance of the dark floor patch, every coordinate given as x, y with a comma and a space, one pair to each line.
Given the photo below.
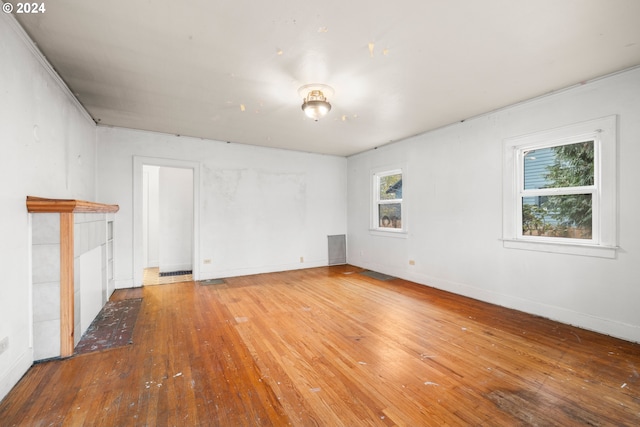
112, 327
175, 273
519, 404
211, 282
528, 407
376, 275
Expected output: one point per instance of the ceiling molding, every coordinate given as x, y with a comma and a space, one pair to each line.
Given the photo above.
24, 37
506, 107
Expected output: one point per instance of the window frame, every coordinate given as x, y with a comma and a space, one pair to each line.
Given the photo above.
592, 190
603, 242
376, 202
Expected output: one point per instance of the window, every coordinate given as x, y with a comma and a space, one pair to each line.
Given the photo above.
387, 212
560, 190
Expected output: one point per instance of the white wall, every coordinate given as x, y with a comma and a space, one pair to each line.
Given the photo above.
175, 229
150, 215
48, 150
260, 209
453, 191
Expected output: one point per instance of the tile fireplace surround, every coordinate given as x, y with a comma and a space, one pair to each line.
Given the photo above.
72, 270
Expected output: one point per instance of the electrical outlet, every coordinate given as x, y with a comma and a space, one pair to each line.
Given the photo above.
206, 261
4, 344
412, 262
301, 259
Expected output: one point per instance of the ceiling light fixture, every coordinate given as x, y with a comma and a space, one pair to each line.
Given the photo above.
314, 102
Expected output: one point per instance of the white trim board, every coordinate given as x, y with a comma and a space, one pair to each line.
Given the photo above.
138, 163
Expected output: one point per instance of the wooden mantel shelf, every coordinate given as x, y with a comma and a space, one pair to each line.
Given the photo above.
43, 205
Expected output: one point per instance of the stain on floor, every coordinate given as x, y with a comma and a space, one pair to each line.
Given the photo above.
112, 327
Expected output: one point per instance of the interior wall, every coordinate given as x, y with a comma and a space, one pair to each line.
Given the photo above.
260, 209
48, 150
175, 211
150, 214
453, 194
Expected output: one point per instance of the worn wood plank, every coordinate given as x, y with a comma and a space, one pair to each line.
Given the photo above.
328, 346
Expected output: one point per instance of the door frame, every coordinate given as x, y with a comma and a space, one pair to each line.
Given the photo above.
138, 163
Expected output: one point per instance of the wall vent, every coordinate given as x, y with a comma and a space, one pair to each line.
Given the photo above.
337, 249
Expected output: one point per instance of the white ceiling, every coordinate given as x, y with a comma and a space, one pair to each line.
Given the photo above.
230, 70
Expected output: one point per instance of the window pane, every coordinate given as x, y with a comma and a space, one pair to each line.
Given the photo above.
390, 215
557, 216
568, 165
391, 187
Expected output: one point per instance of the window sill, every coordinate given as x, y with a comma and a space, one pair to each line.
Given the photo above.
389, 233
599, 251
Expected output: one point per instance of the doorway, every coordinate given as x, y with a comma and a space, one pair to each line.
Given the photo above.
167, 224
166, 200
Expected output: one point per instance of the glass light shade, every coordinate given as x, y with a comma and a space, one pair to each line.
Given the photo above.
315, 105
316, 109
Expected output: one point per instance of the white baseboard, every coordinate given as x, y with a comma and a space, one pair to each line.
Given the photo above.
235, 272
126, 284
10, 378
175, 267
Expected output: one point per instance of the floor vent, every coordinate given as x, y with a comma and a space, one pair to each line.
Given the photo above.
211, 282
377, 276
175, 273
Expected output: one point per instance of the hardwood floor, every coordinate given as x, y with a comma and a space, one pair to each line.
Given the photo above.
331, 347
